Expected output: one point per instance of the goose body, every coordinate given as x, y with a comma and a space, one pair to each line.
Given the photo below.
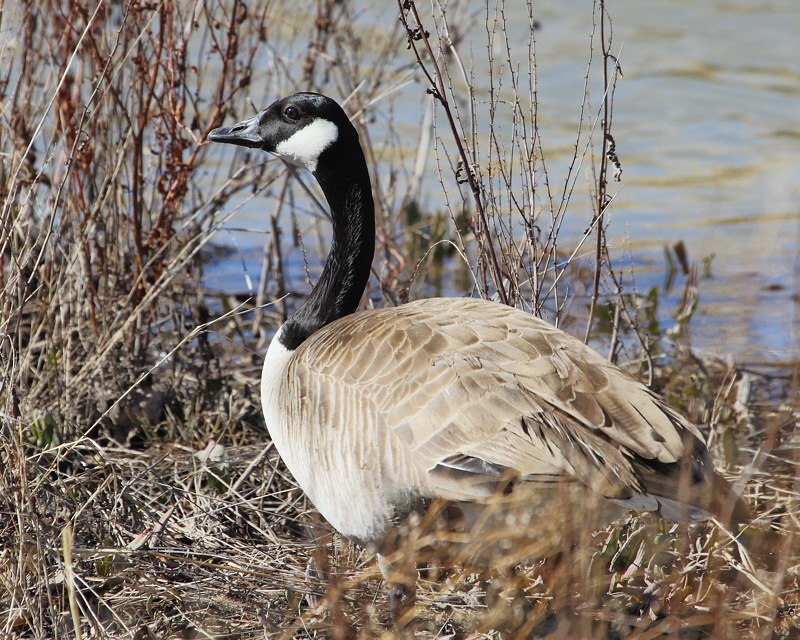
380, 413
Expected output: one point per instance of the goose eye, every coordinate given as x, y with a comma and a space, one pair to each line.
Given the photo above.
292, 113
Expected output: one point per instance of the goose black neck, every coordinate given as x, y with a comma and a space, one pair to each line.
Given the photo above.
343, 176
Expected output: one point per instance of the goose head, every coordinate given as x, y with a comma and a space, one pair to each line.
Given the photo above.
304, 129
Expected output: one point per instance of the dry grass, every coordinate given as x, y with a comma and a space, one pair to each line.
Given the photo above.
171, 542
140, 495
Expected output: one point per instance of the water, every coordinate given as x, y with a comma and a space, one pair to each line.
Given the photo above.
707, 127
710, 106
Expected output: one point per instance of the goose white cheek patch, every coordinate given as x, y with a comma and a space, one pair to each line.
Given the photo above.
304, 147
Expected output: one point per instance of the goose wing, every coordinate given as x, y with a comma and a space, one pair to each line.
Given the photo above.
475, 394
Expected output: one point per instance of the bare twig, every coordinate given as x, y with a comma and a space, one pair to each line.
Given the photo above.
415, 34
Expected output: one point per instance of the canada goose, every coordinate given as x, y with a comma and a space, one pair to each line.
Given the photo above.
379, 413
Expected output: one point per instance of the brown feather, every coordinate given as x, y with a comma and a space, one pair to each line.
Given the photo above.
458, 399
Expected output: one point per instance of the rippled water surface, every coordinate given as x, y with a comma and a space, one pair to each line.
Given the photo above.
707, 127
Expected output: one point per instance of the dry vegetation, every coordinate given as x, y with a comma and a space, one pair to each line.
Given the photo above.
140, 496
